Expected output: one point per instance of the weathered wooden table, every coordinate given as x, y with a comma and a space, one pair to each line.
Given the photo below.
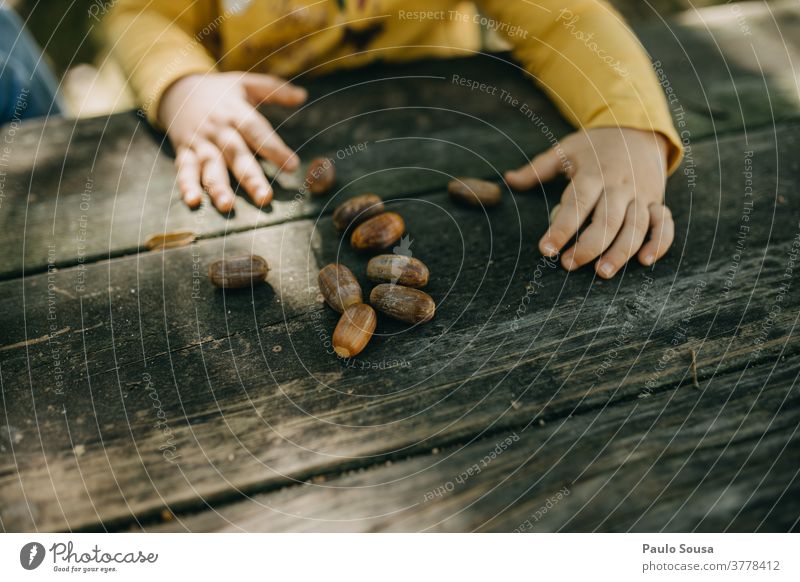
136, 396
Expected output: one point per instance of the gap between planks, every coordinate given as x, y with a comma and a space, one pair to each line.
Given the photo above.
134, 251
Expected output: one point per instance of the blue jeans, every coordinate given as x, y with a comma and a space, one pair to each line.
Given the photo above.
27, 86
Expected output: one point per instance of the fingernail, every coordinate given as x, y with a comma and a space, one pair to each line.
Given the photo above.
648, 260
261, 196
606, 269
550, 248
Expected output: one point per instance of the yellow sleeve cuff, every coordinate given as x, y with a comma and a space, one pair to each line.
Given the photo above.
155, 46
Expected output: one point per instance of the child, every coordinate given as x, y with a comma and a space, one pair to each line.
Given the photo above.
580, 51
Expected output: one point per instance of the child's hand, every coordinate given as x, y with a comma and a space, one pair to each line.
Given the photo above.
618, 176
214, 126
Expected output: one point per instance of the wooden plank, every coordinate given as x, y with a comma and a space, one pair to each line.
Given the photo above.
77, 192
733, 67
723, 458
250, 399
98, 188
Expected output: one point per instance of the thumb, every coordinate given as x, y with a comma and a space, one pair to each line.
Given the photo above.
270, 89
542, 168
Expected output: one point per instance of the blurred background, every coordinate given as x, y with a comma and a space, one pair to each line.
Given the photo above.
93, 85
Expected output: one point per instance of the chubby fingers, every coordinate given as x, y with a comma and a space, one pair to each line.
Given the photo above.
263, 140
607, 221
214, 176
577, 202
542, 168
661, 235
262, 88
629, 241
188, 168
244, 166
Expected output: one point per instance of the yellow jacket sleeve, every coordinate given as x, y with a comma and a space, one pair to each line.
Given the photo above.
157, 43
588, 61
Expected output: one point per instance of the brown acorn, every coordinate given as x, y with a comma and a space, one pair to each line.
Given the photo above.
169, 240
321, 176
474, 192
238, 272
378, 233
398, 269
403, 303
354, 330
357, 210
339, 287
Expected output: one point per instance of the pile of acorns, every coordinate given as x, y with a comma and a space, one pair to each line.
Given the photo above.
399, 276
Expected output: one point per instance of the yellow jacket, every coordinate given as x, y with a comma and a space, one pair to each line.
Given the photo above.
579, 51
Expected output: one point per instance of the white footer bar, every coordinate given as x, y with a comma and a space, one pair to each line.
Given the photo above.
401, 557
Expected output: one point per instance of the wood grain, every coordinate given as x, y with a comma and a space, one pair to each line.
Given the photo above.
130, 385
717, 459
248, 399
81, 191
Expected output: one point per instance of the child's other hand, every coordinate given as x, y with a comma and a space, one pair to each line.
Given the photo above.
214, 126
618, 176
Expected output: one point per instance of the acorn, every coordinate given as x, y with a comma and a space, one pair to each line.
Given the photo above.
398, 269
238, 272
474, 192
169, 240
357, 210
321, 176
339, 287
378, 233
403, 303
354, 330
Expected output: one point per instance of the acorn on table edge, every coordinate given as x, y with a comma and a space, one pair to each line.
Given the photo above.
474, 192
